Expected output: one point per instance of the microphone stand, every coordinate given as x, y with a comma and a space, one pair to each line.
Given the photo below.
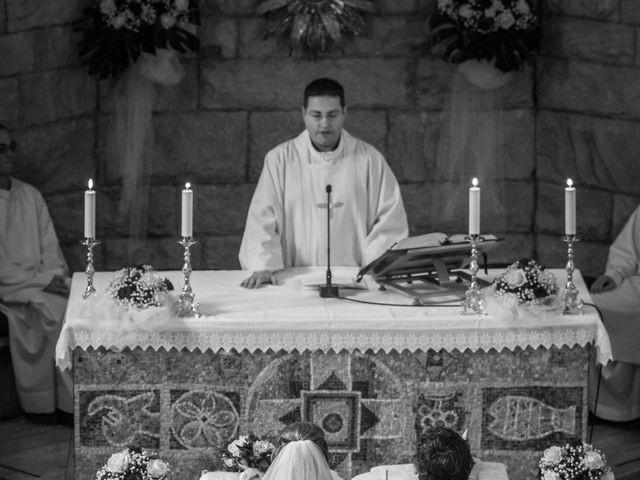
328, 290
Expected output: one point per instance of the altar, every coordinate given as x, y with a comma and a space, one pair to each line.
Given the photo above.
372, 376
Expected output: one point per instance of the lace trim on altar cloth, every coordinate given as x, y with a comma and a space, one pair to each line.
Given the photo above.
288, 340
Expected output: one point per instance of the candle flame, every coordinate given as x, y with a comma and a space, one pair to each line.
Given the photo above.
90, 183
187, 186
474, 182
569, 182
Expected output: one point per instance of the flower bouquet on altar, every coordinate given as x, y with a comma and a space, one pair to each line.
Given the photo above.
133, 464
574, 461
526, 282
504, 32
139, 287
248, 454
137, 298
524, 290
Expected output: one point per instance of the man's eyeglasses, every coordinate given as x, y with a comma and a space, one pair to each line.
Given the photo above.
5, 147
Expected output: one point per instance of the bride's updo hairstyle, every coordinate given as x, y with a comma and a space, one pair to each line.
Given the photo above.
302, 431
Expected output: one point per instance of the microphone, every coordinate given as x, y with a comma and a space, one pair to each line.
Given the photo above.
328, 290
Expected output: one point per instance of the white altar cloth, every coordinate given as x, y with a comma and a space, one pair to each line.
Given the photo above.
292, 316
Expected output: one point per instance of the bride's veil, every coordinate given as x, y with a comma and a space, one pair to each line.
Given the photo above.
299, 460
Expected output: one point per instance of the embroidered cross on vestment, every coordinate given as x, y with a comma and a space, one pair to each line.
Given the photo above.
330, 206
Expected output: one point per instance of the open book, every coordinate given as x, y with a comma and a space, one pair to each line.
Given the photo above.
433, 240
426, 253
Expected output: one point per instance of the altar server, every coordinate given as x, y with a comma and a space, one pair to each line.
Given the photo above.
617, 295
287, 220
34, 287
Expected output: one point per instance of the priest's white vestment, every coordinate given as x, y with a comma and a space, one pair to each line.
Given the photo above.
30, 256
619, 393
287, 220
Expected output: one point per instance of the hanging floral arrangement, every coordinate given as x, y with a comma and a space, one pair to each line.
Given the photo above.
117, 32
504, 32
314, 25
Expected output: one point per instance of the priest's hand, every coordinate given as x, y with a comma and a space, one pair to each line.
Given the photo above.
57, 286
259, 278
603, 283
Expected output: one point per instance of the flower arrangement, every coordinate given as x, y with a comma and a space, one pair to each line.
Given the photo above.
574, 461
502, 31
315, 25
527, 281
248, 451
139, 287
133, 464
116, 32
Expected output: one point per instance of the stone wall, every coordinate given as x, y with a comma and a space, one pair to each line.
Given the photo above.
574, 116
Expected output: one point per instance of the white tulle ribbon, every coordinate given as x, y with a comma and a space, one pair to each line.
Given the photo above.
134, 98
471, 144
484, 75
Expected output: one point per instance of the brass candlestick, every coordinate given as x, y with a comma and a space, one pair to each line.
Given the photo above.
572, 302
187, 306
89, 242
473, 301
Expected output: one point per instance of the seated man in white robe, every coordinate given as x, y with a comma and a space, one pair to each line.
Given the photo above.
34, 287
617, 295
287, 220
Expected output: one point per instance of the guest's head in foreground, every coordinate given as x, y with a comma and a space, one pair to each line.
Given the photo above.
442, 454
324, 112
302, 454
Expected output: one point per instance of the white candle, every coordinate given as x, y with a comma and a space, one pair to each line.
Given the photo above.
187, 211
569, 208
90, 212
474, 208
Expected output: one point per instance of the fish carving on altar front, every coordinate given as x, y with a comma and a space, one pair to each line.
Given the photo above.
126, 419
521, 418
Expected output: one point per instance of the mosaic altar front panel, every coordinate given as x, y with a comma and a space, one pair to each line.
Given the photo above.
372, 406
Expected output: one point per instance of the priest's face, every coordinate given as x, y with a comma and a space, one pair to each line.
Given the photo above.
7, 147
323, 119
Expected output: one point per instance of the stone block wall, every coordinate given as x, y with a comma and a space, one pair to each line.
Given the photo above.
573, 115
587, 124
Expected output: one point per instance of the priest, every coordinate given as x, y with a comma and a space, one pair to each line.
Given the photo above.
287, 220
617, 295
34, 286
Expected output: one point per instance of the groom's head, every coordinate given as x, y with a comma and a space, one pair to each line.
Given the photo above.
442, 454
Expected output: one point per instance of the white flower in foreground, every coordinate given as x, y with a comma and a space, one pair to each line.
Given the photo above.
552, 455
118, 462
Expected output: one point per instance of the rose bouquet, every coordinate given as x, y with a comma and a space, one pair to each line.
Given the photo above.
527, 282
248, 451
133, 464
501, 31
139, 287
574, 461
116, 32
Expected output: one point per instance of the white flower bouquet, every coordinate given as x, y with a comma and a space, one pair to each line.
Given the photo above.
502, 31
248, 451
574, 461
133, 464
139, 287
527, 282
116, 32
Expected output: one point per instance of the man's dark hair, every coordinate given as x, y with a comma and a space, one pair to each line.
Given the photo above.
323, 87
442, 454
